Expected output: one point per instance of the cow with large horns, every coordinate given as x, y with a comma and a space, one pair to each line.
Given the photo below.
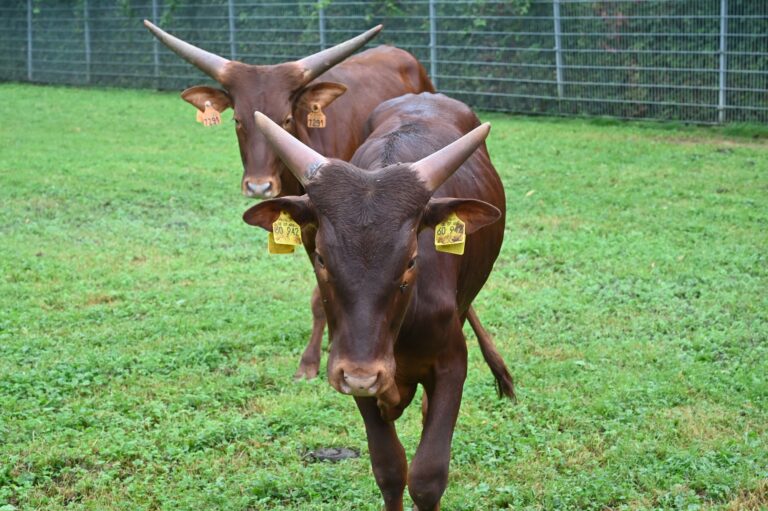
349, 92
396, 306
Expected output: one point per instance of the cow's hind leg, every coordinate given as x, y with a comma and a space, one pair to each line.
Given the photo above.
390, 467
428, 474
310, 359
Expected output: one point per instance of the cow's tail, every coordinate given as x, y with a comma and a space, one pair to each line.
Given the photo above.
504, 384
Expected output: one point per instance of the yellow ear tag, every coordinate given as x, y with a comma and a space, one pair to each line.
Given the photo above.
316, 118
210, 116
285, 235
450, 235
276, 248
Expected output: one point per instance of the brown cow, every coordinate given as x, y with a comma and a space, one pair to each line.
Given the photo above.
286, 92
347, 94
395, 306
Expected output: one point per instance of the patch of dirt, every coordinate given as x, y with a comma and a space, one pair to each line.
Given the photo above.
755, 499
101, 299
694, 424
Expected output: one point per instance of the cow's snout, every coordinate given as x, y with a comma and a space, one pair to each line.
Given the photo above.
262, 188
357, 380
360, 385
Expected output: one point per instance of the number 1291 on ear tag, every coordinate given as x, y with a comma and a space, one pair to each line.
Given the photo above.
450, 235
285, 235
209, 117
316, 118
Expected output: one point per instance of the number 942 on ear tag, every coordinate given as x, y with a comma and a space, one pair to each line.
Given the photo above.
450, 235
285, 235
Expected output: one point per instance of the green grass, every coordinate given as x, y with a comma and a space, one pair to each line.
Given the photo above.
147, 340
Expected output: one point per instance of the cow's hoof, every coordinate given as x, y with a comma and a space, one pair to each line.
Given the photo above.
306, 371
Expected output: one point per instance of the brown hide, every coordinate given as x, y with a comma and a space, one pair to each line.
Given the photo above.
395, 306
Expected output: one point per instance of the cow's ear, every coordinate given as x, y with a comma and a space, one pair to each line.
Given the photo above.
319, 94
474, 213
219, 99
266, 212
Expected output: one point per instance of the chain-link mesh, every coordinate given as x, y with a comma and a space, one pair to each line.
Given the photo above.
694, 60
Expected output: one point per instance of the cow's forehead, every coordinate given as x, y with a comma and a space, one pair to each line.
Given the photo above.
243, 76
387, 196
262, 87
367, 213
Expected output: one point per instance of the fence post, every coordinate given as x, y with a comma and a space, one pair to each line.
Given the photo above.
29, 40
723, 62
87, 37
432, 43
321, 23
558, 48
155, 48
232, 49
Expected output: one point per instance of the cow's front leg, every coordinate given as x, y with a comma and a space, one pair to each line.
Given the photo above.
388, 461
310, 359
428, 474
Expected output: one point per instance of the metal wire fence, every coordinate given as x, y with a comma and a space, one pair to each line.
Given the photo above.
703, 61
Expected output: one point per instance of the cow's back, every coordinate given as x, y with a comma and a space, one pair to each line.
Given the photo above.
371, 77
411, 127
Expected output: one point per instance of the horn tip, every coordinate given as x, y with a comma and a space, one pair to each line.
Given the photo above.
148, 24
370, 34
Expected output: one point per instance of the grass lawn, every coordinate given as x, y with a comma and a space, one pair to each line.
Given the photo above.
148, 341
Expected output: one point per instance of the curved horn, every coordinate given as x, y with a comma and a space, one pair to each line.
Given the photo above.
320, 62
436, 168
209, 63
300, 159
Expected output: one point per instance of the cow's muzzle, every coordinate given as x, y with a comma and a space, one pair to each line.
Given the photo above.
359, 385
358, 380
265, 189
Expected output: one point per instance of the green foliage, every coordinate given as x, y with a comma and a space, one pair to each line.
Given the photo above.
147, 340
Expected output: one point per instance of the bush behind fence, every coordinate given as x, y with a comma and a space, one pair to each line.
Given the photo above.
702, 61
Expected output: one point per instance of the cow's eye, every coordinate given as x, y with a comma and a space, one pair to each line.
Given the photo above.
237, 121
287, 122
319, 260
411, 263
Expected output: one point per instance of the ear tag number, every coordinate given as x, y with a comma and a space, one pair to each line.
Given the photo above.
285, 235
450, 235
210, 116
316, 118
